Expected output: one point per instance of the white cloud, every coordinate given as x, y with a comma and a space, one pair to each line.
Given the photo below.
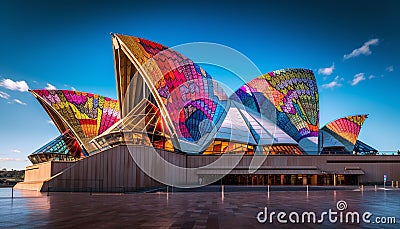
72, 88
19, 102
364, 49
390, 68
12, 159
326, 71
357, 79
50, 122
4, 95
333, 84
16, 151
50, 87
371, 76
14, 85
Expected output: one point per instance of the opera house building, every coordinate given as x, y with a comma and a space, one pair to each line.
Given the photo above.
172, 124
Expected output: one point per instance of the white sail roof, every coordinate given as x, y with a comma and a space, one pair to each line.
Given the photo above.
241, 125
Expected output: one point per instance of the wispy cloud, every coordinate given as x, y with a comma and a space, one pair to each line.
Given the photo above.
364, 49
12, 159
357, 79
16, 151
326, 71
333, 84
4, 95
390, 68
51, 122
14, 85
19, 102
50, 87
72, 88
372, 76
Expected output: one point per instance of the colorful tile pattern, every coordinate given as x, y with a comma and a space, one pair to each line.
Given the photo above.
194, 102
348, 127
293, 93
87, 114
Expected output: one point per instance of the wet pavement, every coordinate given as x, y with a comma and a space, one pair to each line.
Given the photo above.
202, 209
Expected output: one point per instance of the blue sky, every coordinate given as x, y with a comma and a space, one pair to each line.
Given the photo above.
352, 47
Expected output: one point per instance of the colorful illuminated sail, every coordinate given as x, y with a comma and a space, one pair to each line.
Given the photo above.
64, 147
292, 93
86, 115
192, 103
348, 127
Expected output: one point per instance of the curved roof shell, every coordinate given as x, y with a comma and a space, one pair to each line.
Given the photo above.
64, 147
343, 131
287, 96
192, 104
249, 127
86, 115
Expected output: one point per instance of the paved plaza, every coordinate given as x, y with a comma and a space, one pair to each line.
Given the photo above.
204, 209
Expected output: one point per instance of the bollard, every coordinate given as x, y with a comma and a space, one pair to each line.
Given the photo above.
268, 191
397, 184
375, 188
12, 192
362, 188
222, 193
392, 184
